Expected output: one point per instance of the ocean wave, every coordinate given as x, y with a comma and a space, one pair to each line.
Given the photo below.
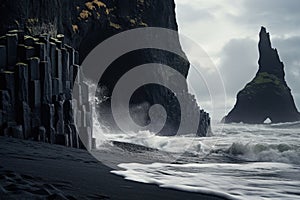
261, 143
177, 144
286, 125
284, 153
244, 181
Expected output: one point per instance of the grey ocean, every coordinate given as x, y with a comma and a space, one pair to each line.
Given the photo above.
238, 161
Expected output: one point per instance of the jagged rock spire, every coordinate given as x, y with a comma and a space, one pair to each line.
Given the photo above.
267, 95
269, 60
264, 37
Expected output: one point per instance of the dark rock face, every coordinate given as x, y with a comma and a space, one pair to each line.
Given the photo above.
35, 103
267, 95
85, 24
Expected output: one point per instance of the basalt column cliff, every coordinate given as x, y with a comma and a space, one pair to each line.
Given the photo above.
267, 95
84, 24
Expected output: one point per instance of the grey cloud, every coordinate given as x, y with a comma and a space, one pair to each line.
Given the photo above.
190, 14
277, 7
280, 18
289, 51
238, 58
279, 15
238, 64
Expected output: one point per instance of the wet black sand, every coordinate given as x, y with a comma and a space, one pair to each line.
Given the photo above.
32, 170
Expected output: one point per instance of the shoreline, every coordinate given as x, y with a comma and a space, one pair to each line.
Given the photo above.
42, 171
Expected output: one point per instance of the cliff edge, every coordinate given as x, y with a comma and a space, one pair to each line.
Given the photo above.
86, 23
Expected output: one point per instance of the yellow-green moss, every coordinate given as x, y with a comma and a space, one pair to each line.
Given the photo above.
262, 80
132, 21
8, 72
90, 5
75, 28
98, 15
116, 26
22, 64
143, 24
85, 14
32, 20
99, 3
265, 77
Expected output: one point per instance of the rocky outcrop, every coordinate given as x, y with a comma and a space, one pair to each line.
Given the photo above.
37, 76
86, 23
267, 95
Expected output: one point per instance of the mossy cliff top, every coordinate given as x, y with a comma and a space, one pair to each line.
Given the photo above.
85, 23
265, 81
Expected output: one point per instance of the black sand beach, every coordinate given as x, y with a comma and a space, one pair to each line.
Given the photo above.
32, 170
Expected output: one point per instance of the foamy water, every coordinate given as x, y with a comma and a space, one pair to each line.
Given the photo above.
238, 162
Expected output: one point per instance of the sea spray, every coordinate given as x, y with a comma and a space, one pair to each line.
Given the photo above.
98, 128
266, 152
239, 162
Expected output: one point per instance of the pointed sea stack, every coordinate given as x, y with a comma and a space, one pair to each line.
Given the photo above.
267, 95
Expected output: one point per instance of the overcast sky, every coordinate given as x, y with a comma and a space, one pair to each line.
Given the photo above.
227, 30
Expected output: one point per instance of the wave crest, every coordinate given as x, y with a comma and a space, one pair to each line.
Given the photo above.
266, 152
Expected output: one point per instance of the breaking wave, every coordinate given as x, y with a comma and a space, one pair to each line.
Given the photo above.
283, 153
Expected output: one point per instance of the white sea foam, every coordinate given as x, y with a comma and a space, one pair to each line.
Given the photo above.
284, 153
272, 150
287, 125
235, 181
178, 144
260, 161
245, 144
268, 159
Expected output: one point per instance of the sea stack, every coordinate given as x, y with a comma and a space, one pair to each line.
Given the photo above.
267, 96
